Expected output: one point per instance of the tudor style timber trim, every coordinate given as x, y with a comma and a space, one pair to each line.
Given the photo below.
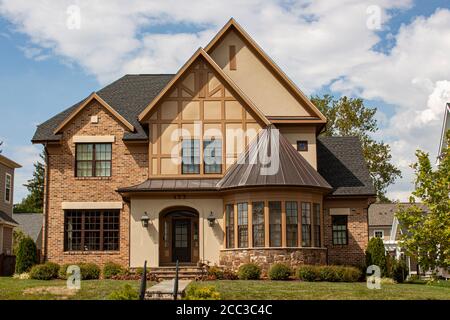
102, 102
273, 67
201, 53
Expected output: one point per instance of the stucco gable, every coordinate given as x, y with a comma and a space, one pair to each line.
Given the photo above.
260, 78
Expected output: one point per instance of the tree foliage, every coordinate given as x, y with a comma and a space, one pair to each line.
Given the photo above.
376, 255
350, 117
427, 235
34, 201
26, 255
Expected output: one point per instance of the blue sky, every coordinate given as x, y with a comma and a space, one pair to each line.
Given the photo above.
45, 69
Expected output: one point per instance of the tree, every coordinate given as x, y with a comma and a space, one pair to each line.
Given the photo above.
350, 117
34, 201
427, 234
26, 255
1, 142
376, 255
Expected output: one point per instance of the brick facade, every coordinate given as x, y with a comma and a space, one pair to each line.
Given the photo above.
358, 235
234, 258
129, 167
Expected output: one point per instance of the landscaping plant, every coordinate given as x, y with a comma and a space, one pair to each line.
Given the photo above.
279, 271
46, 271
195, 292
111, 269
26, 255
376, 255
249, 271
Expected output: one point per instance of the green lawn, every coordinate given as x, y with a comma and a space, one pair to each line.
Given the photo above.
297, 290
16, 289
230, 289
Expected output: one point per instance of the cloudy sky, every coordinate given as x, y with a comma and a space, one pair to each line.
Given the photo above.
393, 53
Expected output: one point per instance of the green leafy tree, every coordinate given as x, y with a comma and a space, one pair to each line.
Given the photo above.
427, 235
376, 255
34, 201
350, 117
18, 235
26, 255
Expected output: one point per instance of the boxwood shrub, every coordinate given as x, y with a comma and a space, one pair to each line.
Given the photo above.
89, 271
111, 269
46, 271
249, 271
328, 273
279, 271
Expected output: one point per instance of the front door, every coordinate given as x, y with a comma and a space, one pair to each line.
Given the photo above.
181, 240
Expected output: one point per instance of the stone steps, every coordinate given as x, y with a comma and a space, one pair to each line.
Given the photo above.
164, 290
184, 272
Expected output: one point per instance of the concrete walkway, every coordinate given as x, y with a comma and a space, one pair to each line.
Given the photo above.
164, 290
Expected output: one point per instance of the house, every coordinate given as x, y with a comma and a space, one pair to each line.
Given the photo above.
383, 224
31, 225
7, 223
220, 163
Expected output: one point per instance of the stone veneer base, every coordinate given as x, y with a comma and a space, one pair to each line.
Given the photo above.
265, 257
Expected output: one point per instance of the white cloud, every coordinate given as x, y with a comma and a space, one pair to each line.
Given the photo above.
317, 43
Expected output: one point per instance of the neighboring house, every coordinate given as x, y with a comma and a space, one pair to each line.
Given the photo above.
383, 224
164, 168
7, 223
31, 225
445, 128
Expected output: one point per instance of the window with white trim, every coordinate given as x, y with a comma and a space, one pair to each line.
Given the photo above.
8, 188
378, 234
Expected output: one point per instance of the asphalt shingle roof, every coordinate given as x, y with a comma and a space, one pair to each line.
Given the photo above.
7, 218
382, 214
128, 95
341, 162
30, 224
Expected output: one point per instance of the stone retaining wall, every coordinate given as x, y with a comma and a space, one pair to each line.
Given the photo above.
233, 258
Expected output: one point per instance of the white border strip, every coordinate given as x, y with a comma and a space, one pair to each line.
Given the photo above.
91, 205
87, 139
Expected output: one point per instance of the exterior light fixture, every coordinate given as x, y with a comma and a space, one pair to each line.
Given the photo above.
211, 219
145, 219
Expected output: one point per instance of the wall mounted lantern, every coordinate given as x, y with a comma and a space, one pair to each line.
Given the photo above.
145, 219
211, 219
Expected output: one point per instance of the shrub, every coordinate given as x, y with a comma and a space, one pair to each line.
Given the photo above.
328, 273
399, 271
376, 255
126, 293
89, 271
46, 271
279, 271
307, 273
195, 292
215, 273
229, 275
350, 274
26, 255
111, 269
249, 271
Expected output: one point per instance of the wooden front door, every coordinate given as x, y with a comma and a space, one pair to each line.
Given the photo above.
181, 240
